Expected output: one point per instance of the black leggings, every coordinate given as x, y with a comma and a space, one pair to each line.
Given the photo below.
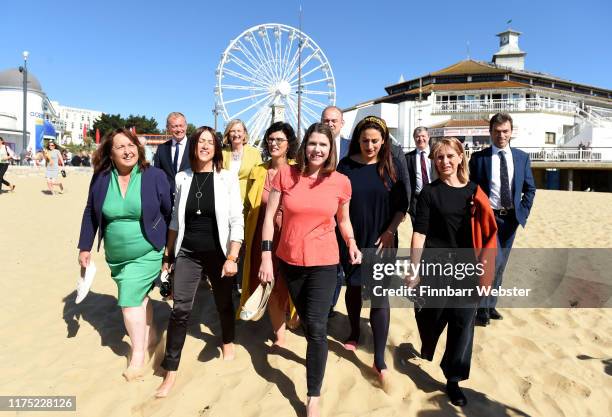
379, 321
3, 168
187, 274
312, 289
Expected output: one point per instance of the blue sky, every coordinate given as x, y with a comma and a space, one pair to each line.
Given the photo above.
150, 57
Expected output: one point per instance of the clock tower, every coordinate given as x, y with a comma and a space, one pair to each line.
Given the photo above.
510, 54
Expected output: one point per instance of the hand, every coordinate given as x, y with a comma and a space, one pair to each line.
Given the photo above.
412, 280
165, 266
266, 270
386, 240
230, 268
354, 253
84, 257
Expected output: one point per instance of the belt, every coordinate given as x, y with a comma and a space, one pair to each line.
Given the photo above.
503, 212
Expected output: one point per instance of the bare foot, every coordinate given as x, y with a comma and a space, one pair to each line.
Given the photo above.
133, 372
312, 406
228, 352
164, 389
384, 377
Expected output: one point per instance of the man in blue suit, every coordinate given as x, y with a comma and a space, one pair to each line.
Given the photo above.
504, 174
171, 156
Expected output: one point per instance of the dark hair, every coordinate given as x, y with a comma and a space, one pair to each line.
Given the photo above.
330, 164
2, 139
101, 159
193, 148
384, 165
498, 119
292, 142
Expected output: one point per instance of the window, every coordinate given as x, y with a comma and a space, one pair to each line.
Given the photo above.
549, 138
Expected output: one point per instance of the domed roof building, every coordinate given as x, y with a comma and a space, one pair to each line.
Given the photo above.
41, 114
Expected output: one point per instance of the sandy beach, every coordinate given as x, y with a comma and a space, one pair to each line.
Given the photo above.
535, 362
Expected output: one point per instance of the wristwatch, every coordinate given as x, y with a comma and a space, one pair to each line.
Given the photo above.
232, 258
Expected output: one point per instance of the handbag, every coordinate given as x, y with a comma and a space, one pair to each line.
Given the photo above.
165, 286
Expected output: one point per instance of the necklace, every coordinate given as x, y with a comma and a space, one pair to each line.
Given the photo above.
198, 194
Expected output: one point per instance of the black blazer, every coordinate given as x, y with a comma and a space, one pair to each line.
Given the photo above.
156, 208
163, 160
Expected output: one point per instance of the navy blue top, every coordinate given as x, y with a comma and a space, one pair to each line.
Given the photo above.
372, 207
155, 202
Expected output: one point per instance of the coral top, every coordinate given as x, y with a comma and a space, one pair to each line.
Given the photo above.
308, 236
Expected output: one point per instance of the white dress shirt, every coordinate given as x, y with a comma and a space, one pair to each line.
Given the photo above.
337, 140
182, 146
495, 194
417, 168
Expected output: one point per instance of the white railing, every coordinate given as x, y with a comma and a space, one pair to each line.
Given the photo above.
505, 105
567, 154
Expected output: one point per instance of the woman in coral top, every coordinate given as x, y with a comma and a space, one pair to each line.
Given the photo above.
313, 194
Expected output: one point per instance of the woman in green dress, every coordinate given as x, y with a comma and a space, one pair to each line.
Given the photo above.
129, 202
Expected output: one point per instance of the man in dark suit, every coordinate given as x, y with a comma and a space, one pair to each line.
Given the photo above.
504, 174
420, 168
172, 156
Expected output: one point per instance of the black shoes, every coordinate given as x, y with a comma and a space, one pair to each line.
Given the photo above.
495, 315
455, 395
482, 317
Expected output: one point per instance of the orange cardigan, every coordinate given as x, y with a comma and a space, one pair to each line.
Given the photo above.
484, 235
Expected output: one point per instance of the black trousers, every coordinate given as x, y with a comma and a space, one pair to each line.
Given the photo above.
188, 271
3, 168
459, 339
312, 289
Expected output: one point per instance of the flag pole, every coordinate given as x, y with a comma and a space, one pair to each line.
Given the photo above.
299, 92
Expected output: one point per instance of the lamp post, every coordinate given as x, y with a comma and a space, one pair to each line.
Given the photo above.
24, 70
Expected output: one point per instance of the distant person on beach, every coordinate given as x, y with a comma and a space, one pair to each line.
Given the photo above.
128, 206
171, 156
6, 154
281, 147
444, 226
205, 235
53, 160
378, 205
504, 174
313, 195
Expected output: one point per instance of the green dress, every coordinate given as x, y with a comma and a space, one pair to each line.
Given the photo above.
133, 261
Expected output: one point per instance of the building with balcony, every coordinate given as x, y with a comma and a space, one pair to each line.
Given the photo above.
458, 101
554, 119
73, 120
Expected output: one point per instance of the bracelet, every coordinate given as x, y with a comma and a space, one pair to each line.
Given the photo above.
266, 246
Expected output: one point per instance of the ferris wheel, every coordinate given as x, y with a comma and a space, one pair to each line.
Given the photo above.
259, 74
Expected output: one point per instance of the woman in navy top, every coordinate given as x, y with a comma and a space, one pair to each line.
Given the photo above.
378, 206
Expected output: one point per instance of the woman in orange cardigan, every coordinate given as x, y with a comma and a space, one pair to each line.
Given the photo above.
454, 225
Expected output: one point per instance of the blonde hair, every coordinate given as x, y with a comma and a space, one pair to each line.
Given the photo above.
463, 173
226, 140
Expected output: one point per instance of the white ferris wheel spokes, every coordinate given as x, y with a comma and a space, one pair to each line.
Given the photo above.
260, 69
